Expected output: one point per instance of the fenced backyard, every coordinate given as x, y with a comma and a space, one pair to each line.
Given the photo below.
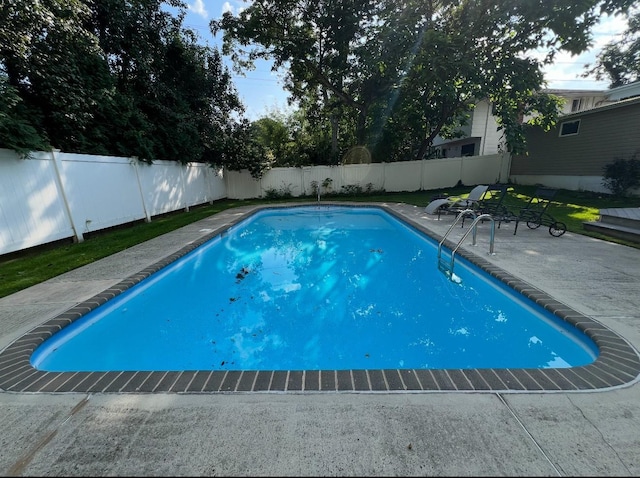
52, 196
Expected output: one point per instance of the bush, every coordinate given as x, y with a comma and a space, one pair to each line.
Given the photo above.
283, 193
621, 175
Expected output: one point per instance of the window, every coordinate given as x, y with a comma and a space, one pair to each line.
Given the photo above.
576, 105
569, 128
468, 149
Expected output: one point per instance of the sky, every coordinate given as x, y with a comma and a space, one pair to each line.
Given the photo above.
261, 89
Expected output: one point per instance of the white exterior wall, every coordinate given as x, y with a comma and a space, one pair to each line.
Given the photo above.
482, 125
588, 100
485, 127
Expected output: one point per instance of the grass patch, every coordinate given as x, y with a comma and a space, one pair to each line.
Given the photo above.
26, 268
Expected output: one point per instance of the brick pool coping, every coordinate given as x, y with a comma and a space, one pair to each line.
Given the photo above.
617, 364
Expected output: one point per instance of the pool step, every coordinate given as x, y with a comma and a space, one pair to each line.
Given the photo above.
622, 223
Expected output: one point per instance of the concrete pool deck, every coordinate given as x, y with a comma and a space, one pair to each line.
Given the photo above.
498, 433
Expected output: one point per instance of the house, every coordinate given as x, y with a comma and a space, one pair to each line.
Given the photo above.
481, 135
573, 154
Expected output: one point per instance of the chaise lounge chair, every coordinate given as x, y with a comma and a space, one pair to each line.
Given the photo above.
536, 213
455, 205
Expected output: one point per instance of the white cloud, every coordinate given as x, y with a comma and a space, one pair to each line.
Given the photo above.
234, 7
567, 70
198, 8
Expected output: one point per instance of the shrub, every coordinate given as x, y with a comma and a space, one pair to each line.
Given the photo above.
621, 175
283, 193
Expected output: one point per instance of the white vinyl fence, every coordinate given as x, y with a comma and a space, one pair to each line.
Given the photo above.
390, 177
54, 195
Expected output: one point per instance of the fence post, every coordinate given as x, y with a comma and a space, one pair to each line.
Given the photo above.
78, 237
184, 187
207, 171
134, 160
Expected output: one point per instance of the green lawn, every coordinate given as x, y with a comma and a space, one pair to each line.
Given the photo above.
21, 270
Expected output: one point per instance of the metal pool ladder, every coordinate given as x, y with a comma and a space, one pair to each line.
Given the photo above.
447, 268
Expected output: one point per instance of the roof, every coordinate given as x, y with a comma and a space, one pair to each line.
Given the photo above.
558, 91
624, 91
607, 107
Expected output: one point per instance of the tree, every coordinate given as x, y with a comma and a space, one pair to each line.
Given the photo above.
40, 43
16, 130
118, 78
400, 72
619, 61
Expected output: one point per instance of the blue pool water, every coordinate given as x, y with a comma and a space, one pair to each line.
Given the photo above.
316, 288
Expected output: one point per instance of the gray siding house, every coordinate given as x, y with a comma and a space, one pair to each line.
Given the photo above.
573, 154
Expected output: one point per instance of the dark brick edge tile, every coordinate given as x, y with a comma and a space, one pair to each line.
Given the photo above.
617, 364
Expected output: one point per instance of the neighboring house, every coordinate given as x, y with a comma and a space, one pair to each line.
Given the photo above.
573, 154
579, 100
481, 135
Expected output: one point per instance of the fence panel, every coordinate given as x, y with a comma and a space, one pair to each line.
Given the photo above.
162, 187
284, 180
53, 195
441, 173
326, 179
488, 169
57, 195
363, 175
32, 211
203, 183
241, 185
403, 176
392, 177
102, 191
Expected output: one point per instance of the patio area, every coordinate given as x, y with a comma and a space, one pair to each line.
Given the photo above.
354, 433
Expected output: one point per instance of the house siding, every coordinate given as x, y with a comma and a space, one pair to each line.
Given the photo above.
604, 135
485, 127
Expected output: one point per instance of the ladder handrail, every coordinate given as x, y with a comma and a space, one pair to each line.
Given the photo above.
473, 228
458, 217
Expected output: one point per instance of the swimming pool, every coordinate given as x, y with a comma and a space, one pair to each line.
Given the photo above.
385, 376
315, 288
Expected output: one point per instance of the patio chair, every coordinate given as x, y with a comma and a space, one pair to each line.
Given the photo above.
492, 203
535, 213
456, 204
